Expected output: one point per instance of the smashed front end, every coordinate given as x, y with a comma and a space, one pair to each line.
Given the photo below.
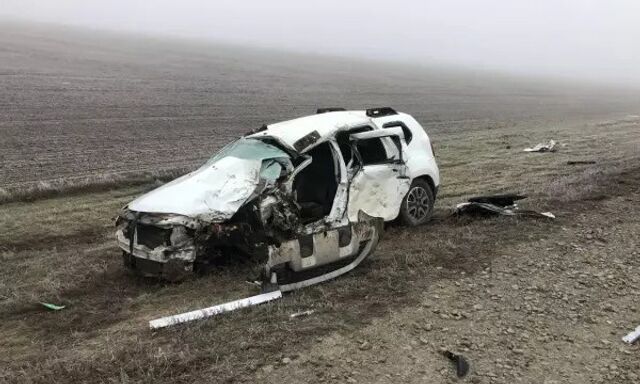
249, 201
235, 205
173, 246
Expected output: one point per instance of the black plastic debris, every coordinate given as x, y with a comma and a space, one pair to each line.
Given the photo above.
580, 162
504, 204
504, 200
461, 364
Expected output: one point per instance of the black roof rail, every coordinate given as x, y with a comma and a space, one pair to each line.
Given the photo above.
381, 111
329, 109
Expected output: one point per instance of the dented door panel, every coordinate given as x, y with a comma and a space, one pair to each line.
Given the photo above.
378, 190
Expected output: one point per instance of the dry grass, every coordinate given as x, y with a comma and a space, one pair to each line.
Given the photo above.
102, 334
86, 184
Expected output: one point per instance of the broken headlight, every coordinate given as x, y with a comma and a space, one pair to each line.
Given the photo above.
180, 237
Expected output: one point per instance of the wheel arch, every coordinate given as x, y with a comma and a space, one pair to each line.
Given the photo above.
430, 181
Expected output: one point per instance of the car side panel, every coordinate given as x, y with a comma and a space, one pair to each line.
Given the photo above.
420, 159
418, 155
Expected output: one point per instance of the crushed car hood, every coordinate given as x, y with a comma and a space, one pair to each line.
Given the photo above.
212, 193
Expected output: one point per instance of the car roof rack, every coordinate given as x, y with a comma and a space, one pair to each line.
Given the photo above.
381, 111
329, 109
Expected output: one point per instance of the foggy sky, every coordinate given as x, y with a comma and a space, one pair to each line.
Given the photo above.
597, 40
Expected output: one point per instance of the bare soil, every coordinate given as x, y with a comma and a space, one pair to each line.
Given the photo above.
524, 300
86, 108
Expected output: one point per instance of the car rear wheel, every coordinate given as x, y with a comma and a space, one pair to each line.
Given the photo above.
417, 205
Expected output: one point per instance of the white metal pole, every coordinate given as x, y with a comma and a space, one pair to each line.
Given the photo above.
215, 310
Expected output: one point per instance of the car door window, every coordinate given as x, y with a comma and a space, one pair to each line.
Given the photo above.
372, 151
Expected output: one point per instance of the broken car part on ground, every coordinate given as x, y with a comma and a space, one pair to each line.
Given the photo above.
549, 147
633, 336
461, 364
497, 205
215, 310
306, 198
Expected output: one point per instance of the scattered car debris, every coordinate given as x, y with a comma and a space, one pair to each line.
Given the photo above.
215, 310
53, 307
306, 198
497, 205
461, 364
549, 147
632, 337
580, 162
303, 313
503, 200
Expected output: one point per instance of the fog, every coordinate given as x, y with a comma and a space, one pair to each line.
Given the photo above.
594, 40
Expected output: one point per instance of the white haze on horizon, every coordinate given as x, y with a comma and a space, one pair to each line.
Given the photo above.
594, 40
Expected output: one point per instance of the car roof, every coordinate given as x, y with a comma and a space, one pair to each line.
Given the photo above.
325, 124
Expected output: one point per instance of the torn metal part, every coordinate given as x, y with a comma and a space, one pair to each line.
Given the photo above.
542, 147
470, 208
497, 205
215, 310
356, 245
632, 337
461, 364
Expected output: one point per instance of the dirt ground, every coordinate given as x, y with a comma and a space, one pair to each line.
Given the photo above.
524, 300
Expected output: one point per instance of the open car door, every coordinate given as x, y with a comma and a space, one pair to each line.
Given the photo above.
378, 183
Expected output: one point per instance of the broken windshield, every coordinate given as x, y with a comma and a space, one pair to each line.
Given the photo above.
249, 149
273, 159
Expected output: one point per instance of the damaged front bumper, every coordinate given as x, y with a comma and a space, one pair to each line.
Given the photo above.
170, 263
156, 246
171, 246
160, 254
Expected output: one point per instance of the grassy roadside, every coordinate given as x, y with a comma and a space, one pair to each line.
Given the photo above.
85, 185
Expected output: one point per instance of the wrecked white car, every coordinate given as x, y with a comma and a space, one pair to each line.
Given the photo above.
306, 197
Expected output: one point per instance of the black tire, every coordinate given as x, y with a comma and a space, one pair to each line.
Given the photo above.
417, 205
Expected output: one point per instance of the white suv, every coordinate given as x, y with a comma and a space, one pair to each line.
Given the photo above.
307, 196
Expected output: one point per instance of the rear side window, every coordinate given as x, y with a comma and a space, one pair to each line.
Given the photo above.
372, 151
408, 136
